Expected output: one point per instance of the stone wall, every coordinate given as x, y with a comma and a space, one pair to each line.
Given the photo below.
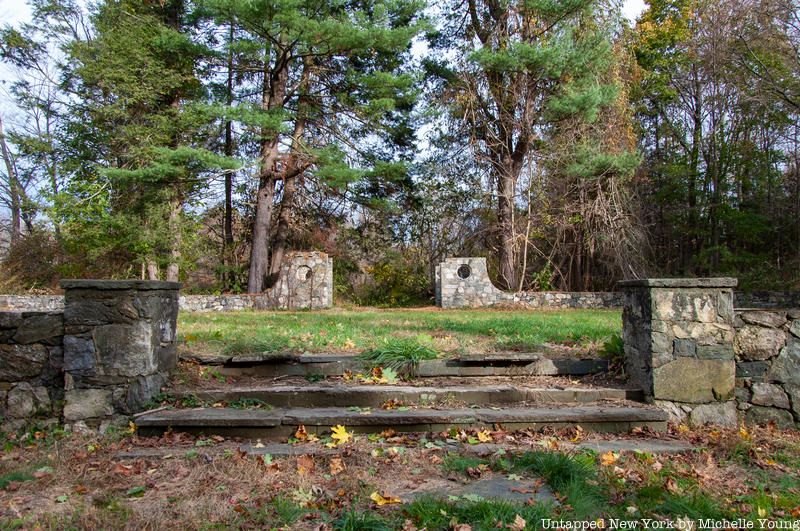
767, 347
100, 360
305, 281
465, 283
119, 347
31, 367
31, 303
678, 337
767, 299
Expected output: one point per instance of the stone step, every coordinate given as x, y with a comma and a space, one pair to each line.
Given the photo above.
375, 395
280, 423
514, 364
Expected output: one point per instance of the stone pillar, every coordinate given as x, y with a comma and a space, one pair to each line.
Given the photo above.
119, 347
678, 336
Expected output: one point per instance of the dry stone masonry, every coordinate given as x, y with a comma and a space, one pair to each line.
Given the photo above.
767, 347
465, 283
305, 281
31, 366
100, 360
678, 336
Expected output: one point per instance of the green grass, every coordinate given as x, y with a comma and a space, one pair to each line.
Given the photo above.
14, 477
446, 331
401, 354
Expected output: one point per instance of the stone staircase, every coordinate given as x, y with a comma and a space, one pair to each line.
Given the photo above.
512, 391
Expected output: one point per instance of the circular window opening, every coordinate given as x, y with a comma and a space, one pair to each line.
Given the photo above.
464, 271
304, 273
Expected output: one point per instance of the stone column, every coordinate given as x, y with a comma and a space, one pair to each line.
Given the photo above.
678, 336
119, 347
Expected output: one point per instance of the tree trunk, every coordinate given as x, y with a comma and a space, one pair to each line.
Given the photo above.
13, 187
174, 224
227, 229
274, 91
505, 222
292, 173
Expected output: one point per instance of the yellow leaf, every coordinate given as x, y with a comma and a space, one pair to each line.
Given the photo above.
743, 433
131, 427
608, 458
762, 513
340, 435
484, 436
578, 434
384, 499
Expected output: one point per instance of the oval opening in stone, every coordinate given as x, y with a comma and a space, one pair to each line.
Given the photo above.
464, 271
304, 273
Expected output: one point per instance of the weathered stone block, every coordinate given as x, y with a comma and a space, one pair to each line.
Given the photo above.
715, 352
694, 381
758, 343
765, 394
10, 319
752, 369
141, 391
39, 328
21, 362
765, 415
81, 404
794, 329
774, 319
718, 414
794, 397
786, 367
79, 354
127, 350
684, 347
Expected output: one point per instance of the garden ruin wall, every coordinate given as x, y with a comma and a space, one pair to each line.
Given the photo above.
305, 281
704, 361
91, 366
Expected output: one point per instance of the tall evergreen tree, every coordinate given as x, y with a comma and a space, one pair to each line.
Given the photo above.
330, 92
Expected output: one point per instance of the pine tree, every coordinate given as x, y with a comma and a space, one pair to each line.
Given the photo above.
330, 85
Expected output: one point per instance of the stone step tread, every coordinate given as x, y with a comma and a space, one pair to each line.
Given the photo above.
229, 417
410, 392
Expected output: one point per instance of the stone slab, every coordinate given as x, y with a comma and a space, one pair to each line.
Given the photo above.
694, 381
714, 282
119, 284
650, 446
419, 419
376, 395
211, 417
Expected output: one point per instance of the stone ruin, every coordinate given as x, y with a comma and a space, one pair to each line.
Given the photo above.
305, 281
465, 283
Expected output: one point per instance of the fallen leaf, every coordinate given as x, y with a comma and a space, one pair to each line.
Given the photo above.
301, 434
340, 435
125, 470
518, 524
384, 499
305, 465
336, 466
484, 436
608, 458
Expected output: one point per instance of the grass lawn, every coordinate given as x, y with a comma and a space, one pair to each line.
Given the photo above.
446, 331
59, 481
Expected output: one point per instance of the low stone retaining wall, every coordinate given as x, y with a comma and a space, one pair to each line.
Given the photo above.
31, 303
678, 338
767, 299
31, 367
465, 283
101, 359
767, 346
